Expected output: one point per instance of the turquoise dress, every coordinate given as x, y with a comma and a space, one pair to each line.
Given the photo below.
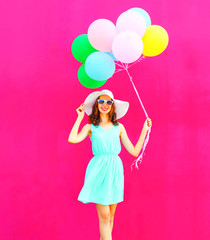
104, 178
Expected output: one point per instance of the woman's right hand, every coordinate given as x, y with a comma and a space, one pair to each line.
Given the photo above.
81, 110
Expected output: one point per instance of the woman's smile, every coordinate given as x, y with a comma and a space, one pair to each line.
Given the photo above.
104, 108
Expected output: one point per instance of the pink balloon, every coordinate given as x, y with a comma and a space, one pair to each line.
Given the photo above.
127, 46
131, 21
101, 34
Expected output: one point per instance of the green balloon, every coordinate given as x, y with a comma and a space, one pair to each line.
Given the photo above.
86, 81
81, 48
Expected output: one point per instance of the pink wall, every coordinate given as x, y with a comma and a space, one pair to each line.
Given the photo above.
41, 174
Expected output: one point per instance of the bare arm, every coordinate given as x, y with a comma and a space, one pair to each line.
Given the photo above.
74, 136
127, 143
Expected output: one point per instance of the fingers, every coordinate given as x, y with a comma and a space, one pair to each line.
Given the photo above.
149, 122
81, 108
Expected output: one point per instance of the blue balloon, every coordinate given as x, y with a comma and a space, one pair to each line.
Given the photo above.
99, 66
112, 56
144, 14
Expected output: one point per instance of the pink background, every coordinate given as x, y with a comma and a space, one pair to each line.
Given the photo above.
41, 174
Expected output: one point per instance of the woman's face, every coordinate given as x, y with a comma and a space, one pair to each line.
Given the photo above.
104, 108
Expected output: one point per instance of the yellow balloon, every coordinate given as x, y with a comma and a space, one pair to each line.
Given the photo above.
155, 40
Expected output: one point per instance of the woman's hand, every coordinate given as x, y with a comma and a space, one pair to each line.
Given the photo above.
147, 124
81, 110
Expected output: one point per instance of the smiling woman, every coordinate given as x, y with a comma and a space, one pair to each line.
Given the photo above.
104, 178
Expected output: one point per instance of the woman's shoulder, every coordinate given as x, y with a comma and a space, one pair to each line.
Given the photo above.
122, 128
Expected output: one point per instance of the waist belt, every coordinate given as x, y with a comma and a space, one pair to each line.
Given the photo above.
101, 154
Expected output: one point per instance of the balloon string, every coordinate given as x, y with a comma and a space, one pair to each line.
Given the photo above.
126, 69
139, 159
123, 64
141, 58
120, 65
118, 70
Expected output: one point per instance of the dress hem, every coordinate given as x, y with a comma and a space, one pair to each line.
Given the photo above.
86, 202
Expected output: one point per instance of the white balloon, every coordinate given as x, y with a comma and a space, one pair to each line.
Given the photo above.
101, 34
131, 21
127, 46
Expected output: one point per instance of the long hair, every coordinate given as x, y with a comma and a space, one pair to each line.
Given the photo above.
94, 117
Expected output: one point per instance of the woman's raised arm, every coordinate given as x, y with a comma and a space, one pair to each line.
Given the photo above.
74, 136
127, 143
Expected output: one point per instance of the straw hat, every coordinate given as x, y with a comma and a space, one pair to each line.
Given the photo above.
121, 107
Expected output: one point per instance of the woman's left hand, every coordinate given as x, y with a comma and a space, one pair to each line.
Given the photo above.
147, 124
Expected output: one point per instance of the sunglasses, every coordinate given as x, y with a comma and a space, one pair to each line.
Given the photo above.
108, 102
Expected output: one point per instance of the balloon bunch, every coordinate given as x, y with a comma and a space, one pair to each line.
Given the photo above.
109, 48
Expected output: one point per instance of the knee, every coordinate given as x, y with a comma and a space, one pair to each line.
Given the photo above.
105, 218
111, 218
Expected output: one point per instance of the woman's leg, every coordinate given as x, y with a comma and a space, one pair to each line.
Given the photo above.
112, 212
104, 221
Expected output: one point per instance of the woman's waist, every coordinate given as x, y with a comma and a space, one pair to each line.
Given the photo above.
105, 153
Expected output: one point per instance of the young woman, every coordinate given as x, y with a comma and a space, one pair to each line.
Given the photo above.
104, 178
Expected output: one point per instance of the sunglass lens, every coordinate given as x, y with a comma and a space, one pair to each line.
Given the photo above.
100, 101
109, 103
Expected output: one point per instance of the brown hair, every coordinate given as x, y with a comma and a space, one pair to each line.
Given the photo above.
94, 117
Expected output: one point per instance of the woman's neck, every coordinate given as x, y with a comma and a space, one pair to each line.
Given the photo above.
104, 118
